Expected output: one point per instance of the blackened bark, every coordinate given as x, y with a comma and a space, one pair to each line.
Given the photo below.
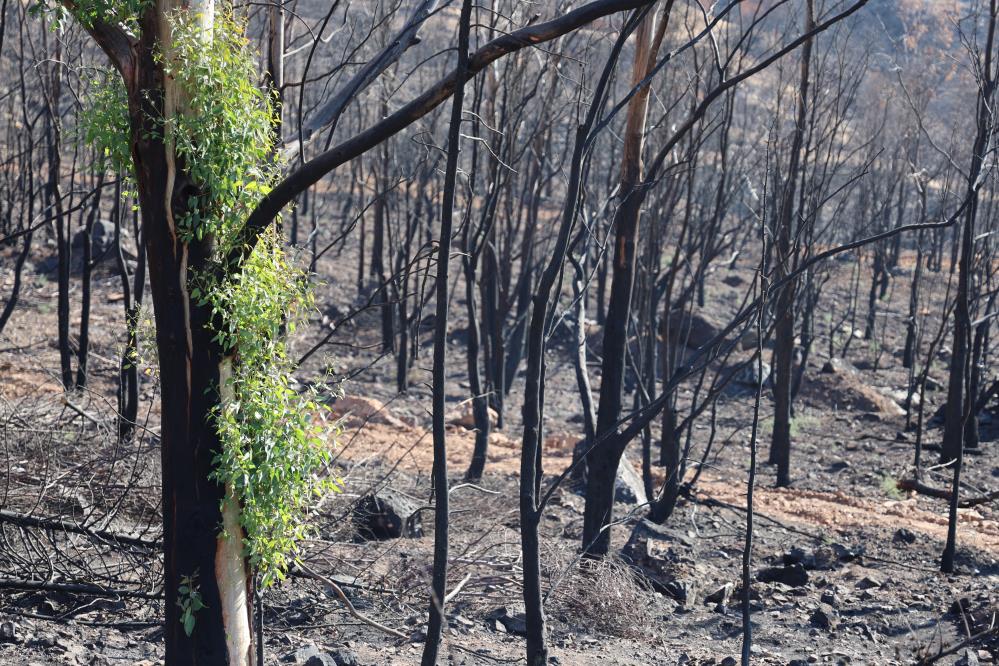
128, 370
63, 236
603, 460
971, 437
435, 623
189, 378
480, 403
377, 269
958, 399
780, 444
912, 320
83, 347
15, 291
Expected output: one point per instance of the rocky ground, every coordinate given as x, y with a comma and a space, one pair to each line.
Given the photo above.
845, 563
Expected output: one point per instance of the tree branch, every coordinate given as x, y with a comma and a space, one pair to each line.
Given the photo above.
114, 41
309, 173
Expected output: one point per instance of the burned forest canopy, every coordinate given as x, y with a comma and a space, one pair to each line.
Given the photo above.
432, 331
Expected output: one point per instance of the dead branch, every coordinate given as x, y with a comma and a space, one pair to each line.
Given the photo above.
75, 588
939, 493
309, 573
23, 520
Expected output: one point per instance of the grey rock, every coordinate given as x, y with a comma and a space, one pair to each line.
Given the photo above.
345, 657
822, 620
904, 536
793, 575
387, 515
868, 583
969, 658
101, 238
749, 375
501, 620
515, 624
9, 632
838, 366
628, 488
693, 329
310, 656
721, 595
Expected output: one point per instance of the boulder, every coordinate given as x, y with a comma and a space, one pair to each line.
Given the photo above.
313, 656
838, 366
466, 417
793, 575
840, 386
824, 557
650, 553
750, 340
101, 239
692, 329
822, 619
628, 487
387, 514
969, 658
358, 411
9, 632
310, 656
749, 374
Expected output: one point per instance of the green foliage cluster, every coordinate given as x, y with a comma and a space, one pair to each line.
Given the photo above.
273, 451
225, 138
104, 126
273, 455
124, 13
190, 601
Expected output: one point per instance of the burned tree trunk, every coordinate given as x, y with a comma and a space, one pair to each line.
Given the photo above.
780, 444
959, 401
603, 460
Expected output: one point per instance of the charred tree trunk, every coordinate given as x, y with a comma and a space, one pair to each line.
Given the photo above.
15, 291
912, 320
780, 444
435, 624
128, 370
63, 235
378, 250
959, 400
201, 540
83, 347
603, 460
480, 402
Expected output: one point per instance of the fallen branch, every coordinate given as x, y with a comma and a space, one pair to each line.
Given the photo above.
75, 588
309, 573
24, 520
939, 493
946, 652
457, 588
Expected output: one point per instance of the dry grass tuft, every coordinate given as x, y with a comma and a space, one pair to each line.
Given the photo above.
599, 596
